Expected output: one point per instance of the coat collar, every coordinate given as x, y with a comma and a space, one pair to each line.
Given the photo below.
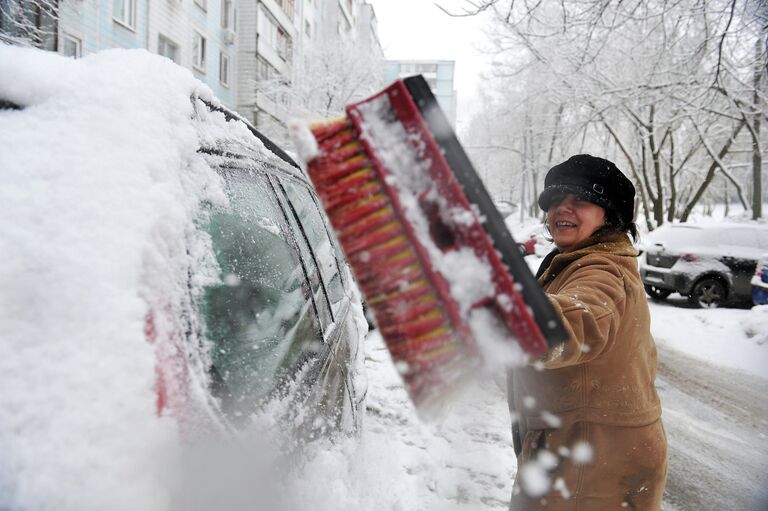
615, 243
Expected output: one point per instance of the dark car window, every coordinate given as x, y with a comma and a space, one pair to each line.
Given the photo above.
260, 318
317, 237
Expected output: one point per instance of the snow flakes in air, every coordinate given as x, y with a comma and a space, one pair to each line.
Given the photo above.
534, 477
552, 420
582, 453
562, 488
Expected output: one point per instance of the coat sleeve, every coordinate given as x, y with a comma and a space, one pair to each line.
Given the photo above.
589, 303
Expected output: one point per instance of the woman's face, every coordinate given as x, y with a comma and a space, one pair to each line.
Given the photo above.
572, 220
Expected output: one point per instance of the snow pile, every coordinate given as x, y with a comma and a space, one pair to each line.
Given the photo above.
755, 326
99, 184
734, 338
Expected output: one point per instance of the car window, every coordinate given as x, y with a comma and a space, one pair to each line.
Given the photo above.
259, 318
318, 240
741, 238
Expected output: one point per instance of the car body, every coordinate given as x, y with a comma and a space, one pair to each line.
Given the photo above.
711, 264
170, 275
760, 282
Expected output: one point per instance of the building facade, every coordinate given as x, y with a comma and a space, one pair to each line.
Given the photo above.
438, 74
249, 52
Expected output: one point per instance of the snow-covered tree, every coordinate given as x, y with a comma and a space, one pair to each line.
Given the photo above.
326, 78
29, 22
673, 91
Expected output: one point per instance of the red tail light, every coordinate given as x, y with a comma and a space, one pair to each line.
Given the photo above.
689, 257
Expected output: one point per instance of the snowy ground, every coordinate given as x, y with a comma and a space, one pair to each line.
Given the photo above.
713, 382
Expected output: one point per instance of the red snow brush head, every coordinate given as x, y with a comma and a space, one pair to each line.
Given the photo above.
395, 184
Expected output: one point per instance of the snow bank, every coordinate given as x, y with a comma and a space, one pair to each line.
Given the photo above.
99, 184
734, 338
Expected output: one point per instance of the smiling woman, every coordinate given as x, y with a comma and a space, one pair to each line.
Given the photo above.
589, 432
571, 219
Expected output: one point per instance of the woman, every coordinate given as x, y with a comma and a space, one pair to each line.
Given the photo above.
588, 414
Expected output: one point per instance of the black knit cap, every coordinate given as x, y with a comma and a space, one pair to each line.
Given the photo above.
594, 179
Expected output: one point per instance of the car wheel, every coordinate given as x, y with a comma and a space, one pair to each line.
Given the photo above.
657, 293
708, 293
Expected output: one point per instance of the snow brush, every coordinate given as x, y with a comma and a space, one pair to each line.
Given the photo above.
437, 265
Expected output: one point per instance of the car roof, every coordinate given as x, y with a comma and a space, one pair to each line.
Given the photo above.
718, 226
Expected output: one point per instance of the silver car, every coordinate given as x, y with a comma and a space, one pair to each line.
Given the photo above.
711, 264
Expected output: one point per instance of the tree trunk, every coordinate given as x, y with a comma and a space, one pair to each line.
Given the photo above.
757, 157
710, 173
672, 187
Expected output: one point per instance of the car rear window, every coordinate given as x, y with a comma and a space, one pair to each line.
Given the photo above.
259, 318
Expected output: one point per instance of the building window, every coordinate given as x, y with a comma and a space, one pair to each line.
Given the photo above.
284, 46
71, 46
274, 36
224, 69
167, 48
198, 52
287, 6
124, 12
203, 4
265, 70
227, 20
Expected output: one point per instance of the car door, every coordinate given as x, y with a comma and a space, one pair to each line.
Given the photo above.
325, 266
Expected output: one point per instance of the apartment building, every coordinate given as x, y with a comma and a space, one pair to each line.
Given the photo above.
438, 74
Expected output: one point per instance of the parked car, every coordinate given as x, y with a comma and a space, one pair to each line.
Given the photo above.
711, 264
534, 238
164, 263
760, 282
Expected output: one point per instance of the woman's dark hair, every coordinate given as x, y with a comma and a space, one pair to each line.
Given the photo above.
614, 222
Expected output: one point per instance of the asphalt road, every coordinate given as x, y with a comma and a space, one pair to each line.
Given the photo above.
716, 421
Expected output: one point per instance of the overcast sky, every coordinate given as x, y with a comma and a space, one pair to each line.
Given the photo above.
418, 29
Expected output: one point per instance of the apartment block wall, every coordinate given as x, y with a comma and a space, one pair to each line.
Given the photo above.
438, 74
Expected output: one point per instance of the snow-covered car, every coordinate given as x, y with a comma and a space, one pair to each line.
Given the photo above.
711, 264
760, 282
537, 233
167, 273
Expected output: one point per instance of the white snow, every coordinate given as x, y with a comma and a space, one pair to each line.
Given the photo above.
96, 195
582, 453
306, 145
